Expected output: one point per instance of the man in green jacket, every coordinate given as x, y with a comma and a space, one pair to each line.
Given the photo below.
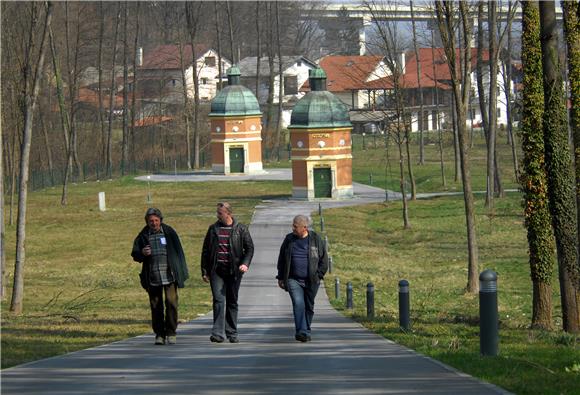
164, 270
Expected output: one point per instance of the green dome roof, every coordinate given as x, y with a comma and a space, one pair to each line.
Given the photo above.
319, 109
235, 100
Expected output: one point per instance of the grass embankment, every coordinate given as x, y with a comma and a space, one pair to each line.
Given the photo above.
81, 286
368, 244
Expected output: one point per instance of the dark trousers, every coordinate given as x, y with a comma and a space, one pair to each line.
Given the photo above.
164, 323
224, 290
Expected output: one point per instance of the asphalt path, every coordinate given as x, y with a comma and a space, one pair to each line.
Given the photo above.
342, 358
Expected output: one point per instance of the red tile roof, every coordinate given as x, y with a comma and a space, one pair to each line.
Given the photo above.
167, 56
348, 72
345, 73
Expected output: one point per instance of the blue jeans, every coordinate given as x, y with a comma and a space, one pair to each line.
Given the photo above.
303, 304
225, 304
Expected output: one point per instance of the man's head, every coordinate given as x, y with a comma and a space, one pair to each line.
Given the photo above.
300, 226
153, 218
224, 213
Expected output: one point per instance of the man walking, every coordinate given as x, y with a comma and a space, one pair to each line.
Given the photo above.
164, 270
226, 255
302, 264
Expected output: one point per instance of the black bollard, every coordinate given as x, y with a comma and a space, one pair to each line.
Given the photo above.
336, 288
370, 178
349, 295
319, 210
404, 320
370, 300
329, 264
488, 318
321, 224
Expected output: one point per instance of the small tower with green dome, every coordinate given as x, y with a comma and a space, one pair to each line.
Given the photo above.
236, 129
320, 135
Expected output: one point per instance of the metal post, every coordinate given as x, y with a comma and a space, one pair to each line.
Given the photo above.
336, 288
404, 321
319, 210
370, 300
321, 224
329, 264
488, 318
370, 178
349, 295
326, 243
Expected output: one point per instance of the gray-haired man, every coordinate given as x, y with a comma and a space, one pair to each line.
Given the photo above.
302, 263
164, 270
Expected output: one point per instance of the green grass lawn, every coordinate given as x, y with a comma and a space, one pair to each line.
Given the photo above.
369, 244
81, 285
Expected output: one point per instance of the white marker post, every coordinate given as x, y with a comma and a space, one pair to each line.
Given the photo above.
102, 206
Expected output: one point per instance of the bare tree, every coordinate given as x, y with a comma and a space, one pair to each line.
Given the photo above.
437, 111
112, 95
460, 70
2, 229
193, 14
559, 168
31, 88
125, 143
420, 122
276, 147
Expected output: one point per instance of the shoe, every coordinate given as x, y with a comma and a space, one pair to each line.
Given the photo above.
159, 340
216, 339
301, 337
308, 338
171, 339
234, 339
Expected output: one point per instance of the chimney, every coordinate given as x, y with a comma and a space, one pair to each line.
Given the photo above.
140, 56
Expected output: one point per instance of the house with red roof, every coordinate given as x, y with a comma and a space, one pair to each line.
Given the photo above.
364, 84
161, 74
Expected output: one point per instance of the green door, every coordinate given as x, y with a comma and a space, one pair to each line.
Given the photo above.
236, 160
322, 182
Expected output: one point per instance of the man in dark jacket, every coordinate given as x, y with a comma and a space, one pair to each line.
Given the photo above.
226, 255
302, 264
164, 270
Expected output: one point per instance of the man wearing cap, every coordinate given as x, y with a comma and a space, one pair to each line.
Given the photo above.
226, 255
164, 270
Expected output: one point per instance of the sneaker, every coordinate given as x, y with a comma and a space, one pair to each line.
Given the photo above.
234, 339
301, 337
159, 340
171, 339
216, 339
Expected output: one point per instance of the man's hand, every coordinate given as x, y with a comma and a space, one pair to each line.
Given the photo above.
281, 284
244, 268
205, 279
146, 250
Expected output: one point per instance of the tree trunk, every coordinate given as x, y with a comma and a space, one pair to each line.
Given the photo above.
461, 83
258, 50
135, 79
276, 148
559, 168
492, 109
100, 71
508, 92
112, 95
420, 118
456, 154
219, 44
407, 127
270, 101
125, 144
231, 30
186, 106
30, 99
2, 229
572, 29
437, 120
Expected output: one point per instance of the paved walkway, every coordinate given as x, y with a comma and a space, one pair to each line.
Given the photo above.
343, 358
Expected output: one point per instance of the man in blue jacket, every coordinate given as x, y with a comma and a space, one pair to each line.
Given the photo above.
302, 263
164, 270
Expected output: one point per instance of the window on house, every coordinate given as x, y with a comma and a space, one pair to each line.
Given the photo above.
204, 81
210, 61
290, 84
498, 112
